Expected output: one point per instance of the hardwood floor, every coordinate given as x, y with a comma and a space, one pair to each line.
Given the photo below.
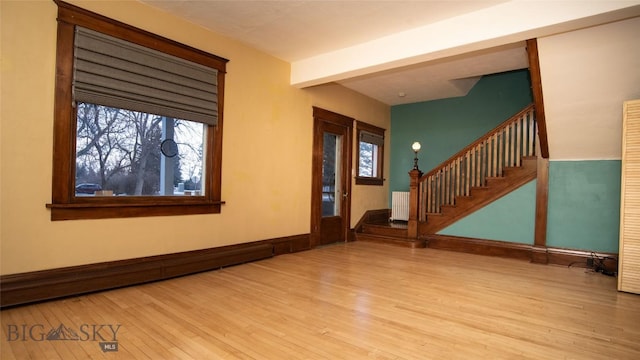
346, 301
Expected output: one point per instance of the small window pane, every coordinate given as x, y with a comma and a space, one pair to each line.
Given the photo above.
370, 154
129, 153
368, 165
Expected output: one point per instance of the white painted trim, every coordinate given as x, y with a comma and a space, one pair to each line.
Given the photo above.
505, 23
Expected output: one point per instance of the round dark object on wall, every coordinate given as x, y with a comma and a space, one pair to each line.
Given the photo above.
169, 148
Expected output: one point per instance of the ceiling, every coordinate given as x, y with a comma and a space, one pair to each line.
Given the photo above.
394, 51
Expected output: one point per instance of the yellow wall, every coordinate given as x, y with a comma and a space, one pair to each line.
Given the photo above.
266, 152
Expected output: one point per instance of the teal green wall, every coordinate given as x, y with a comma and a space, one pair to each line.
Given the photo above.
584, 205
510, 218
584, 196
583, 212
445, 126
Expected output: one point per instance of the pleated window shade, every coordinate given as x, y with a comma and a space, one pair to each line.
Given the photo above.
371, 138
629, 255
117, 73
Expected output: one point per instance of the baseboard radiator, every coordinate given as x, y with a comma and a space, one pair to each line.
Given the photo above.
399, 205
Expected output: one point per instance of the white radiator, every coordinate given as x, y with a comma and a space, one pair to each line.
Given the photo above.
400, 205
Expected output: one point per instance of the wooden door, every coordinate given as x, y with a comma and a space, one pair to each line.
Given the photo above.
331, 180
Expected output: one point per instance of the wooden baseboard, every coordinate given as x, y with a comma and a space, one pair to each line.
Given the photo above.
535, 254
23, 288
577, 258
478, 246
289, 244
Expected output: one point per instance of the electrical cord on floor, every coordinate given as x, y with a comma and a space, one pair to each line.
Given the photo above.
597, 264
600, 266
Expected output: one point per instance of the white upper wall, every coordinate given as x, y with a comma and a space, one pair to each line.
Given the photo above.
498, 25
586, 75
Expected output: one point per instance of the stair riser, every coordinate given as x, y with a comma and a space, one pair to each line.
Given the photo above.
412, 243
384, 231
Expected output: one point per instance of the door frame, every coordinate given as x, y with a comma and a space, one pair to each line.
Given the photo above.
320, 117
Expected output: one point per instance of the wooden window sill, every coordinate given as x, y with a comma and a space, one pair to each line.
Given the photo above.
106, 210
369, 181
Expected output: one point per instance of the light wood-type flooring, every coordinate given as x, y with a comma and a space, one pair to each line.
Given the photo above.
345, 301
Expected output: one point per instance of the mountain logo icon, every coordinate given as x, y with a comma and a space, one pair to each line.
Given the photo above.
62, 333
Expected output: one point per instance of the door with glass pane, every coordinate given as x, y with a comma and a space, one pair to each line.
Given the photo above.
330, 199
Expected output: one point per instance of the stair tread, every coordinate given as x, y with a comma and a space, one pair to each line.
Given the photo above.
391, 225
385, 236
392, 240
386, 229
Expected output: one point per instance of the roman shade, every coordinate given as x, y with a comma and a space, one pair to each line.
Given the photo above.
371, 138
117, 73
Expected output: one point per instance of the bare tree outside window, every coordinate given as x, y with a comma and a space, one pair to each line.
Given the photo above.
119, 150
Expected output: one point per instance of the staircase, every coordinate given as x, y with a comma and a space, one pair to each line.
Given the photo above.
386, 232
480, 196
494, 165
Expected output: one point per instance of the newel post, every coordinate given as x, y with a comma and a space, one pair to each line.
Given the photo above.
412, 229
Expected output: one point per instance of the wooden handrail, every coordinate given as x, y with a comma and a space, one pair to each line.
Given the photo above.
487, 157
479, 140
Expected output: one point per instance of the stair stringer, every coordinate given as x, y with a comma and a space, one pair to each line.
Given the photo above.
479, 197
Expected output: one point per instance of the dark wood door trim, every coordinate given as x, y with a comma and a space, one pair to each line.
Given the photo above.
320, 118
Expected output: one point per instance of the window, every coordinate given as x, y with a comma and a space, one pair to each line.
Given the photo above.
370, 154
128, 153
137, 122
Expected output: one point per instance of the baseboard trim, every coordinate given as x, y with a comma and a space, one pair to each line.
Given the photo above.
577, 258
534, 254
479, 246
24, 288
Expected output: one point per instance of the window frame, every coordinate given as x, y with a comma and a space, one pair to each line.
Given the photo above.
64, 204
370, 180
